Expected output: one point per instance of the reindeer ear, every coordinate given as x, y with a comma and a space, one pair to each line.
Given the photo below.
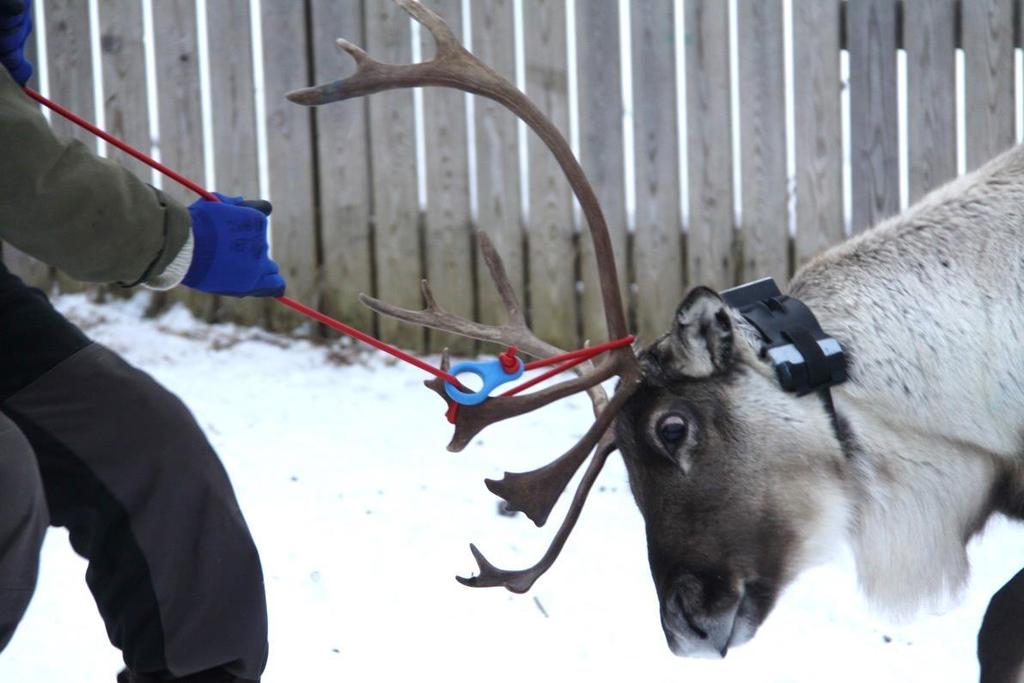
700, 343
703, 330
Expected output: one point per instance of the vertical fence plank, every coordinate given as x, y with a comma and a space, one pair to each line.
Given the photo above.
657, 243
600, 106
393, 154
123, 67
987, 38
180, 114
929, 37
709, 141
70, 65
233, 108
354, 150
344, 173
32, 271
765, 229
290, 155
178, 95
550, 234
447, 223
124, 79
499, 207
818, 125
70, 71
874, 148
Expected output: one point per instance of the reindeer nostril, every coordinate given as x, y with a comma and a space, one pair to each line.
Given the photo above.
701, 633
680, 608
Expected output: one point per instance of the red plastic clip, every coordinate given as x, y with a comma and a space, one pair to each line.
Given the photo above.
509, 361
452, 413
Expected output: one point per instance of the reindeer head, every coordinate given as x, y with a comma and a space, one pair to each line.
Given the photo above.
722, 463
738, 481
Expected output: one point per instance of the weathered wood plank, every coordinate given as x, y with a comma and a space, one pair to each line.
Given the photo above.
178, 94
71, 79
290, 155
448, 225
123, 65
929, 37
344, 172
987, 37
765, 229
180, 115
499, 205
658, 240
709, 141
600, 114
70, 65
124, 79
550, 233
395, 201
32, 271
874, 147
818, 124
233, 107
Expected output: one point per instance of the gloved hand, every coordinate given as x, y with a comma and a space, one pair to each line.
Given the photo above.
230, 248
15, 27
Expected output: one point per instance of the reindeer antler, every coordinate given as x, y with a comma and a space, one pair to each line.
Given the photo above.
535, 492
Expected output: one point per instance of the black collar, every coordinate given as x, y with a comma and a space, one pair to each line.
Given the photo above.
805, 359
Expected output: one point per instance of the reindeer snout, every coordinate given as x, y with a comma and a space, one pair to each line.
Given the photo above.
699, 616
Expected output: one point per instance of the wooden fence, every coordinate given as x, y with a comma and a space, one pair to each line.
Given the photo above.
344, 180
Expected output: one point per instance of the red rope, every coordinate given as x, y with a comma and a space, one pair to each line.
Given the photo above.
583, 354
121, 145
206, 194
365, 338
543, 376
572, 359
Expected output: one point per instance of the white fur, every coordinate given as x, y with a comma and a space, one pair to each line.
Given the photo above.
931, 306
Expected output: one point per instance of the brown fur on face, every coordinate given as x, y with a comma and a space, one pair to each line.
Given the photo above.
720, 479
931, 303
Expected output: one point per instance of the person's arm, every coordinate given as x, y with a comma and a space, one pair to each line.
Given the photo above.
85, 215
96, 221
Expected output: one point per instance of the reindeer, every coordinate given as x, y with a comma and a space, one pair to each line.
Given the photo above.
741, 484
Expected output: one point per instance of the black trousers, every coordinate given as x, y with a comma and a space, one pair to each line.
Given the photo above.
1000, 649
90, 443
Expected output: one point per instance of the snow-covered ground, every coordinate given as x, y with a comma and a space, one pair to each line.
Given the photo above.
363, 518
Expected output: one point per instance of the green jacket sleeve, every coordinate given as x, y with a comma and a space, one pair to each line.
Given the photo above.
64, 205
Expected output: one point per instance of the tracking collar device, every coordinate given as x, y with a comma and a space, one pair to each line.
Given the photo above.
804, 357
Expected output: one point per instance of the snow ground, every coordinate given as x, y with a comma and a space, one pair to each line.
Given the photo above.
363, 518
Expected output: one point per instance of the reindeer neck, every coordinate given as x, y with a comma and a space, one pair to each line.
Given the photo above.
930, 307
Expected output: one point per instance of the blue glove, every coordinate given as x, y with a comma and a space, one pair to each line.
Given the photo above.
230, 248
15, 27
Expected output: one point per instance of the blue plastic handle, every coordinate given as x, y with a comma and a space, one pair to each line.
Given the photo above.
492, 374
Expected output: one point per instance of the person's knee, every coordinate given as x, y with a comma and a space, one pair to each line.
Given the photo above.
23, 523
117, 445
122, 425
179, 457
208, 521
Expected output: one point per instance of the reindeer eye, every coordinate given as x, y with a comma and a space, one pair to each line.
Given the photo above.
672, 429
